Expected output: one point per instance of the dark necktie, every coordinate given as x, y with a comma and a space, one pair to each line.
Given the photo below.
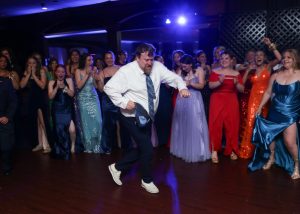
151, 96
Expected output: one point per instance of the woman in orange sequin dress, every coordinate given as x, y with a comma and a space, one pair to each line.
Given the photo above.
260, 80
244, 97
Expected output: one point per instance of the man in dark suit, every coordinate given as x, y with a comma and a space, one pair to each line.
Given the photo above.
8, 105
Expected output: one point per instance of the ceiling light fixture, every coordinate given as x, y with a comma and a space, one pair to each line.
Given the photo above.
43, 6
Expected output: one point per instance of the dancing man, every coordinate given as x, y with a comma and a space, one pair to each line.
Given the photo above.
136, 85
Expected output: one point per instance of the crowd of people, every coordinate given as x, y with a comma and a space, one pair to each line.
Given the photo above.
247, 110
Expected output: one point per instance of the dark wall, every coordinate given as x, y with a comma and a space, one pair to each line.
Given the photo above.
242, 31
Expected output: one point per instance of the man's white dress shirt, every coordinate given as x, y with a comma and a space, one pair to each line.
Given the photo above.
129, 83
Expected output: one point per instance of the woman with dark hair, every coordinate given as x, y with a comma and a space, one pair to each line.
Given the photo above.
12, 64
224, 108
8, 106
71, 67
53, 63
89, 106
40, 60
33, 84
73, 62
121, 58
111, 127
176, 55
12, 75
61, 91
161, 129
99, 64
261, 72
202, 62
189, 139
277, 138
50, 74
176, 68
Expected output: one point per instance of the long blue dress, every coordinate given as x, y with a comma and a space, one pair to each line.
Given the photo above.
91, 119
110, 118
189, 138
62, 116
284, 111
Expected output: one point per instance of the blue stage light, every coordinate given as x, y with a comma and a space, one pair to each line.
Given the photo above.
77, 33
181, 20
168, 21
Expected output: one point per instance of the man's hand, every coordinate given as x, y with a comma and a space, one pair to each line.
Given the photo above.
3, 120
130, 105
184, 93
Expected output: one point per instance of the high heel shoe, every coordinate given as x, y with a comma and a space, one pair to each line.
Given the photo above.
37, 148
47, 150
214, 157
296, 174
233, 156
72, 149
269, 164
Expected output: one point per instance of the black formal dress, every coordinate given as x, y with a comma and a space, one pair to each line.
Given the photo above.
8, 105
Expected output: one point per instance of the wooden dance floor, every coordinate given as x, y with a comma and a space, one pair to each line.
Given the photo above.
42, 185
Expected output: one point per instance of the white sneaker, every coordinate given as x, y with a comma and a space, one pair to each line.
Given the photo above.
150, 187
115, 174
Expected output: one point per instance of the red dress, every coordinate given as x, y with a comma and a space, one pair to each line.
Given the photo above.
224, 114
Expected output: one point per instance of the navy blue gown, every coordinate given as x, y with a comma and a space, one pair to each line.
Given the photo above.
110, 118
284, 111
62, 116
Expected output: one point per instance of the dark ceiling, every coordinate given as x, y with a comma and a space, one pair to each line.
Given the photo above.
141, 20
17, 7
70, 15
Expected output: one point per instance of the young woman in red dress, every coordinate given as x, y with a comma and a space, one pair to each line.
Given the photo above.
224, 108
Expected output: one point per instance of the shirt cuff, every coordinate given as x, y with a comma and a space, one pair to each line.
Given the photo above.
181, 85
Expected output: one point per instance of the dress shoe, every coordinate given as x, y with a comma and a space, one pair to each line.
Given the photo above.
150, 187
115, 174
